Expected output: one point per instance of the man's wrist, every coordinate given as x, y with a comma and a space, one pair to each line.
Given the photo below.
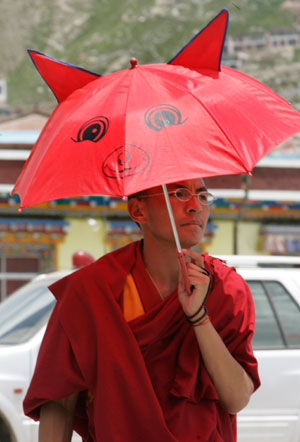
198, 316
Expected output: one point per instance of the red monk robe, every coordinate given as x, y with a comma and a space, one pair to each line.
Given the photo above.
146, 376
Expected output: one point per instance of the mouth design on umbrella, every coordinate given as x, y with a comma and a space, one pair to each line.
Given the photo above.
125, 161
162, 115
92, 130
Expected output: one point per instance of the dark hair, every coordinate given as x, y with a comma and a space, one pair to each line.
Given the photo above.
136, 195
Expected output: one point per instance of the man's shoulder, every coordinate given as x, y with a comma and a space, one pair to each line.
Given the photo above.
221, 271
108, 269
215, 264
121, 257
228, 286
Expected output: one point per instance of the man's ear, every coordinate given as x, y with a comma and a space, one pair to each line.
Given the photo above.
136, 209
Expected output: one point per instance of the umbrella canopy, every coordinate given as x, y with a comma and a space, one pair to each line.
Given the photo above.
152, 124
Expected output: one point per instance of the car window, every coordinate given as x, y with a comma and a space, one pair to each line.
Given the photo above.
277, 316
267, 332
24, 313
288, 312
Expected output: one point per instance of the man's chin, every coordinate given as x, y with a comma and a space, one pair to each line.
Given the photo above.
188, 243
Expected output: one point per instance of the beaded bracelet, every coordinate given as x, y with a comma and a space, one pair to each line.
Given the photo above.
205, 321
197, 312
195, 321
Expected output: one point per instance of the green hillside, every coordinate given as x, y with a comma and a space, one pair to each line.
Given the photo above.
103, 35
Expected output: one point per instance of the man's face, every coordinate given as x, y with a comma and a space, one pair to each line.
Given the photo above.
190, 216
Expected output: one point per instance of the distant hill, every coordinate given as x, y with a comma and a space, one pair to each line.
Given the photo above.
102, 35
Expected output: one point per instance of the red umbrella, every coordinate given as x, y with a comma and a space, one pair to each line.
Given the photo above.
152, 124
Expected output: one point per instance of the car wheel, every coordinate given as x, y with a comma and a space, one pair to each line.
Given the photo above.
4, 432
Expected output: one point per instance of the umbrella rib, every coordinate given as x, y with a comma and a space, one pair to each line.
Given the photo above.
131, 73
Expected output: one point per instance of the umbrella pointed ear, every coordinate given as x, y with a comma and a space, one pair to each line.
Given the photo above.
62, 78
204, 51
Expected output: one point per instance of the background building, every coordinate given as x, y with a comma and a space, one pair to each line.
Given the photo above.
258, 214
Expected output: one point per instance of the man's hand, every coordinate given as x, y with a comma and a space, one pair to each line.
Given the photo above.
199, 281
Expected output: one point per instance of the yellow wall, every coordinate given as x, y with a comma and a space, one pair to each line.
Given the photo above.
247, 238
84, 234
89, 235
222, 242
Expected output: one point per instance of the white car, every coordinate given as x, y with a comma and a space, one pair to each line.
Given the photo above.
23, 318
273, 414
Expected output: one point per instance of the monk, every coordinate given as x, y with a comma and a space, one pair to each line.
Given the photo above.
129, 355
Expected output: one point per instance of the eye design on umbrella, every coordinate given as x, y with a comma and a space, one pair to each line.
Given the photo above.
162, 115
92, 130
125, 161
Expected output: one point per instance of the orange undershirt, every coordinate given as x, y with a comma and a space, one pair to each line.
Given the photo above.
132, 304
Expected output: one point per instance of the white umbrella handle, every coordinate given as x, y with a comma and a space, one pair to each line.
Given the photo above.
178, 246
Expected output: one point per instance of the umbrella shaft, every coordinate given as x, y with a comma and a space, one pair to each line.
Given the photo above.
171, 218
179, 250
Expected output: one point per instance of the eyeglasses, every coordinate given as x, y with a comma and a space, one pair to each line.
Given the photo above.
184, 194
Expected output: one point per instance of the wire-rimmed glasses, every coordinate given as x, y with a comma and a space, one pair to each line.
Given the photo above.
184, 194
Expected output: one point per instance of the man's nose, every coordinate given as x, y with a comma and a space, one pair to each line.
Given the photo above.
194, 205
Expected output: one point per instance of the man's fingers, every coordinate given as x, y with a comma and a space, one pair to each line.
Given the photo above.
195, 256
181, 285
196, 267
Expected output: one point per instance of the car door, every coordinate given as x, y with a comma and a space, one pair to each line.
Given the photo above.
273, 412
